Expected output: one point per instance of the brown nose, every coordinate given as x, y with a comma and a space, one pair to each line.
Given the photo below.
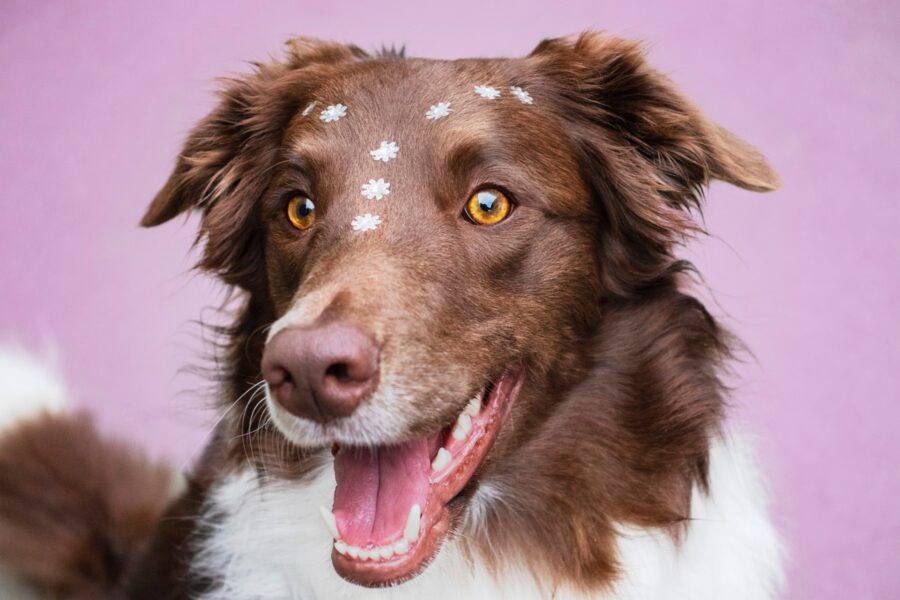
321, 372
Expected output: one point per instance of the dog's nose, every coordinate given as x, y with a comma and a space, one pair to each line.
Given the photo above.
321, 372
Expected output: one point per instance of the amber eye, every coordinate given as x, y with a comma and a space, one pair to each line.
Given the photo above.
488, 207
302, 212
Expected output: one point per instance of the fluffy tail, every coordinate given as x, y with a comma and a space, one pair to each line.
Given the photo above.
75, 509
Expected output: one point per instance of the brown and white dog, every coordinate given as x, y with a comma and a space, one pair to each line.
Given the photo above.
466, 364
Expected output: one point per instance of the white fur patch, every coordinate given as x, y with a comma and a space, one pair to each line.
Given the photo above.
269, 542
731, 550
28, 385
12, 586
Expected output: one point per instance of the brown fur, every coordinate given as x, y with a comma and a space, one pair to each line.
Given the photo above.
623, 390
581, 285
76, 510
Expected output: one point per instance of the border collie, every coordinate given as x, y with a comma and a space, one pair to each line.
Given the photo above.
466, 363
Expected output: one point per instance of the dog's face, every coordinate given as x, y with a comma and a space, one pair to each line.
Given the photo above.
430, 244
483, 236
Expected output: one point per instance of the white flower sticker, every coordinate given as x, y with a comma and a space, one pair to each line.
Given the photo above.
333, 113
309, 108
438, 111
376, 189
486, 91
366, 222
523, 96
385, 152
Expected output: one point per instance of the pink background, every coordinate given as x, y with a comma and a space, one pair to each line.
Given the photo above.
96, 97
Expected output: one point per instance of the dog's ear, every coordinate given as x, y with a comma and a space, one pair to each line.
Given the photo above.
250, 108
646, 151
607, 81
226, 163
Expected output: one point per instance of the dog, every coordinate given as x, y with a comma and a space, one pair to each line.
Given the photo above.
466, 363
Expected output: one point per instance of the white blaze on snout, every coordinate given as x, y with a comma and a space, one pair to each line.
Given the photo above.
366, 276
304, 311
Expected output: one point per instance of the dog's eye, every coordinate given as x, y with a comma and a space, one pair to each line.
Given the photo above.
488, 207
302, 212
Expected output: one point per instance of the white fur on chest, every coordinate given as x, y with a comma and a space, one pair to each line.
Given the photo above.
269, 543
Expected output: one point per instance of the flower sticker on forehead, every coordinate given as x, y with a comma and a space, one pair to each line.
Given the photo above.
309, 108
333, 113
486, 91
366, 222
438, 111
376, 189
386, 151
523, 96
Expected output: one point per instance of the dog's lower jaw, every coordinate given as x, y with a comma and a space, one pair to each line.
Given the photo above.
378, 545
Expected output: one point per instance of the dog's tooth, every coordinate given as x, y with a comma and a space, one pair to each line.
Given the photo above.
354, 551
441, 460
385, 552
463, 427
474, 406
341, 547
330, 522
365, 555
401, 547
411, 531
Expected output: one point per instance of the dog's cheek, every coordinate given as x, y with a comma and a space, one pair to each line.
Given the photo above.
548, 293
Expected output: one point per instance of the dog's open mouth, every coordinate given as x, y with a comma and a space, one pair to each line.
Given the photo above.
390, 510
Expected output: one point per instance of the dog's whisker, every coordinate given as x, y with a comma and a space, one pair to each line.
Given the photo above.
218, 421
250, 404
253, 405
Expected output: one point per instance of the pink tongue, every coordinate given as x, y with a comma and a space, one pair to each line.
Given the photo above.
377, 486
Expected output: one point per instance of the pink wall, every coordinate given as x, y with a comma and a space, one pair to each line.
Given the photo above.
96, 96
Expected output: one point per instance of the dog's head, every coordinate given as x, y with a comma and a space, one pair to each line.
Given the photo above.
434, 247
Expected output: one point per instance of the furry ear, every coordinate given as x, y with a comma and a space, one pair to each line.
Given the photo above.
645, 151
251, 108
227, 159
606, 81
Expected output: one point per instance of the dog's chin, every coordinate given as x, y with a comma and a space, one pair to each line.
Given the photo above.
391, 509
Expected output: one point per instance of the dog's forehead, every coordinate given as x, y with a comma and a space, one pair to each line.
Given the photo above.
419, 105
392, 129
